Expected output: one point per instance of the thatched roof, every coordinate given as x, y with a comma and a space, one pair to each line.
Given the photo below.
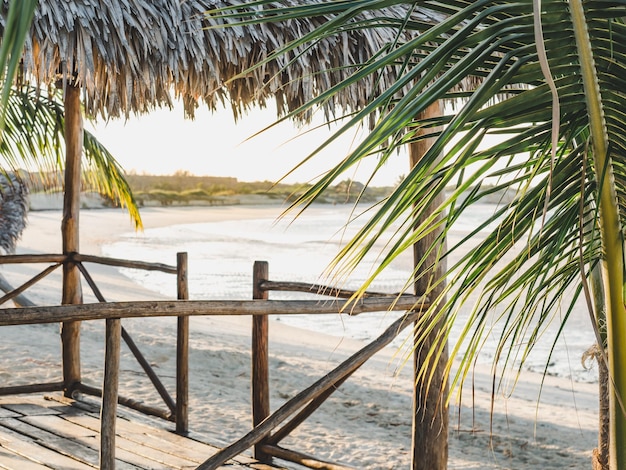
132, 55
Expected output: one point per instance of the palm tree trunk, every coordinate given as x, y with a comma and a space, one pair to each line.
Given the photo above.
72, 292
611, 233
430, 419
601, 453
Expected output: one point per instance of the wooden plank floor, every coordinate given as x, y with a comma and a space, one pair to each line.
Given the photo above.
42, 432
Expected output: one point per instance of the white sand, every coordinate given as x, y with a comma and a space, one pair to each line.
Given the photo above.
366, 423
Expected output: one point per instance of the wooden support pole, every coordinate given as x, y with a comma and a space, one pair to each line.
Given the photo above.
72, 293
182, 350
430, 412
108, 413
260, 361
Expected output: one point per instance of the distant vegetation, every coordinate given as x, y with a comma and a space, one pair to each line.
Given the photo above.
184, 188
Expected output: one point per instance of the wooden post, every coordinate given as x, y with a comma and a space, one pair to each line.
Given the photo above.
72, 293
430, 412
260, 364
182, 350
108, 412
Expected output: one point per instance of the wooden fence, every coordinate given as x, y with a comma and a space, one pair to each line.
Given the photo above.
267, 432
177, 409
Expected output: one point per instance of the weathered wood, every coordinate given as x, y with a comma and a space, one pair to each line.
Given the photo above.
37, 451
59, 426
19, 300
64, 433
307, 411
124, 263
34, 280
134, 435
145, 365
26, 406
30, 258
302, 459
82, 435
346, 368
83, 443
6, 413
32, 388
182, 349
430, 411
143, 362
319, 289
166, 308
130, 403
128, 452
72, 294
155, 437
92, 284
260, 358
110, 393
60, 445
78, 257
11, 461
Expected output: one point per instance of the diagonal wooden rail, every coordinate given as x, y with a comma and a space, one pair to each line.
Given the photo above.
143, 362
321, 386
31, 282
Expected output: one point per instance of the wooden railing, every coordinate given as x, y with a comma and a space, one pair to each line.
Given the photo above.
177, 409
267, 433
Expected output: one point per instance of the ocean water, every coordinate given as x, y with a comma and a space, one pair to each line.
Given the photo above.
221, 257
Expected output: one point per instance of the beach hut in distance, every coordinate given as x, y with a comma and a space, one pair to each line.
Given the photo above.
114, 58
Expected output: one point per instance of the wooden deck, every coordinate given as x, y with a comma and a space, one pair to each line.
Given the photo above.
38, 433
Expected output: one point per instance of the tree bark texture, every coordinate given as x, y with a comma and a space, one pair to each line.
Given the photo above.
260, 359
72, 293
430, 420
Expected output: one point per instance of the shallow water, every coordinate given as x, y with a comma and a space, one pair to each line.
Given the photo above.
221, 256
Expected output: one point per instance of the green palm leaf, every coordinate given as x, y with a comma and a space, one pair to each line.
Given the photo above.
569, 193
33, 137
19, 17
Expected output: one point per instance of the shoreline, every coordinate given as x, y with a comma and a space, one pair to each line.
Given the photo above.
366, 423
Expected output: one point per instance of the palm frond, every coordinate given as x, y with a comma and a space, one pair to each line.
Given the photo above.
33, 138
493, 42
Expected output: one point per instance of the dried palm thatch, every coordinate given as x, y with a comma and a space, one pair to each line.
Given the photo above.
13, 215
13, 211
132, 55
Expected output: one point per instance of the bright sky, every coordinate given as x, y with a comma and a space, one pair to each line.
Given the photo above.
163, 142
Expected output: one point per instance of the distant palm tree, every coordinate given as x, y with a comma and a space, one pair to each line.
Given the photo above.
13, 211
551, 87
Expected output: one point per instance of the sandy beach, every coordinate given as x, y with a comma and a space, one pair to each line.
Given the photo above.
366, 423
